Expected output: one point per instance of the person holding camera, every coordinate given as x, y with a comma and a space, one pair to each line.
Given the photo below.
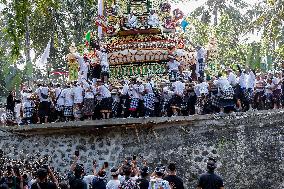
210, 180
42, 179
76, 174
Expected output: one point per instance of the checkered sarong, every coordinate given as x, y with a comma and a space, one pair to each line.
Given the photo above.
215, 100
201, 65
115, 107
149, 101
10, 115
68, 111
77, 110
59, 108
28, 112
134, 104
227, 93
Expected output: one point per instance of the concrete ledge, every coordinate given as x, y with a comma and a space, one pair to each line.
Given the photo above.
86, 126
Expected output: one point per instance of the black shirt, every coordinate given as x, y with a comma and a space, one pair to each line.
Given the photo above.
210, 180
143, 183
99, 183
44, 185
174, 181
76, 183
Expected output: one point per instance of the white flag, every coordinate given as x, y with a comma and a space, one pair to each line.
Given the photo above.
41, 63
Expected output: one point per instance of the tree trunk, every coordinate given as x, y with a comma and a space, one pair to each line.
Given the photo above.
215, 13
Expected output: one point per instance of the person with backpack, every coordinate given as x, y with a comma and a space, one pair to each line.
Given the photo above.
210, 180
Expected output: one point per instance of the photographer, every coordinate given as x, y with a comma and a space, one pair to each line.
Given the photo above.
76, 174
42, 179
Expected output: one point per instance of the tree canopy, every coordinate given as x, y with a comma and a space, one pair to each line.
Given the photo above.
28, 25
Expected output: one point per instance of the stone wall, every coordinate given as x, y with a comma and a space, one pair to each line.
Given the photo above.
249, 148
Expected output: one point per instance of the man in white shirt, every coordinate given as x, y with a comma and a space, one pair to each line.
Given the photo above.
178, 89
59, 102
277, 90
232, 77
84, 68
106, 102
173, 68
153, 19
103, 56
135, 90
201, 91
68, 102
200, 56
149, 99
132, 20
77, 93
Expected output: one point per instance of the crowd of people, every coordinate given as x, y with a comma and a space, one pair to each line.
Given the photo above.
237, 90
131, 174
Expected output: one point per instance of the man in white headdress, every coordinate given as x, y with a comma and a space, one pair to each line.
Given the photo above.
132, 20
84, 68
153, 19
103, 56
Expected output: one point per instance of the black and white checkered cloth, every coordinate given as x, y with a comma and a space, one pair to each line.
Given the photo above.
134, 104
10, 115
59, 107
28, 112
115, 107
215, 100
68, 111
149, 101
201, 67
227, 93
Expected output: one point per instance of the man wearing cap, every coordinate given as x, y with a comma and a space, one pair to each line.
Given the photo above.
210, 180
42, 182
173, 68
